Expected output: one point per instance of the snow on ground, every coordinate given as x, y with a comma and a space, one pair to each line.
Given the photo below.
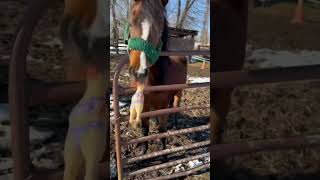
121, 103
6, 177
198, 79
122, 49
194, 163
4, 112
266, 58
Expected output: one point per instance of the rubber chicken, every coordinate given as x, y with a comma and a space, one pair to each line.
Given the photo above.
86, 139
136, 106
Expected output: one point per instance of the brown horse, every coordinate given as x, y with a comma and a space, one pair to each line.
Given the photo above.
229, 37
147, 21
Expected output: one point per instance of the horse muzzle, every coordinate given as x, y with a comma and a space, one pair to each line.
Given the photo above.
138, 76
74, 34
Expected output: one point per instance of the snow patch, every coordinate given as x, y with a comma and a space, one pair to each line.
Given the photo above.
38, 136
266, 58
121, 103
198, 79
4, 112
178, 168
194, 163
6, 163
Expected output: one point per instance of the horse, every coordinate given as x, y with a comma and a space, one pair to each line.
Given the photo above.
230, 35
83, 31
148, 25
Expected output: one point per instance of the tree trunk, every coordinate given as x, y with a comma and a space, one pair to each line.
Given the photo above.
184, 15
179, 12
114, 21
204, 34
128, 4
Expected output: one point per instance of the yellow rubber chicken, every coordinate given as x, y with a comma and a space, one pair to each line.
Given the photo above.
86, 139
136, 106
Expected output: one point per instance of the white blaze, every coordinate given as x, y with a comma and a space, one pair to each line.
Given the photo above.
145, 33
145, 29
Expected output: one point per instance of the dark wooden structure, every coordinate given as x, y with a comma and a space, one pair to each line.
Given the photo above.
181, 33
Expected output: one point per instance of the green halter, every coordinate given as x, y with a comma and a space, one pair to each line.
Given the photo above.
140, 44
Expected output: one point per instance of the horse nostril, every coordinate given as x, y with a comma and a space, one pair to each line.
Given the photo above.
132, 72
143, 74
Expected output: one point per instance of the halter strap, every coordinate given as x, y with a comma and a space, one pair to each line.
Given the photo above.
140, 44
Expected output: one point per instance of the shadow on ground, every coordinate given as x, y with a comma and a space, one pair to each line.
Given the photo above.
230, 173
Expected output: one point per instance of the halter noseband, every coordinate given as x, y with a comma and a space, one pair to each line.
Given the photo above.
140, 44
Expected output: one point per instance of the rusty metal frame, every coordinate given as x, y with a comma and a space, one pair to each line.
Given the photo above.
118, 90
267, 75
19, 92
227, 150
226, 80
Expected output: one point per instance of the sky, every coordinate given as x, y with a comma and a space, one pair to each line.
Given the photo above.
172, 7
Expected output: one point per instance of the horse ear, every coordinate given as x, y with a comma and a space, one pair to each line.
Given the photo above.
164, 2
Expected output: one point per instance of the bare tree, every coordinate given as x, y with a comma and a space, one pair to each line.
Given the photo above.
204, 33
127, 4
178, 13
185, 13
114, 21
181, 14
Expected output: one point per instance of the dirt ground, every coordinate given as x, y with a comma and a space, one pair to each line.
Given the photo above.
271, 28
277, 110
195, 70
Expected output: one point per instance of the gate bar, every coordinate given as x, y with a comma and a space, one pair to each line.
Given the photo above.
168, 164
269, 75
221, 151
167, 111
17, 88
115, 93
166, 134
167, 151
184, 53
183, 174
167, 87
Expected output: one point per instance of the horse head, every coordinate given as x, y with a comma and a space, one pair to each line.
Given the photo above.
146, 22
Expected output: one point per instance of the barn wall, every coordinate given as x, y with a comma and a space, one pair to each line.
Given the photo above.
180, 44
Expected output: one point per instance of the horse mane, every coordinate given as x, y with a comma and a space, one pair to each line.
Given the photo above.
157, 71
165, 35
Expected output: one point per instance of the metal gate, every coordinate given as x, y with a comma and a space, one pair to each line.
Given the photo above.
120, 143
261, 76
